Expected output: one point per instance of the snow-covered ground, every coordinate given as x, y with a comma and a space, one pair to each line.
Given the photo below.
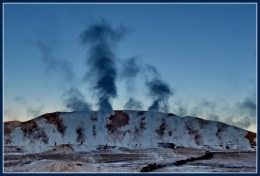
125, 141
124, 129
130, 160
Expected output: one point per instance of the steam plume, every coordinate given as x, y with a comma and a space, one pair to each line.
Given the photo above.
129, 72
133, 104
248, 107
204, 108
102, 39
160, 91
213, 117
74, 100
52, 64
181, 111
34, 111
244, 122
130, 68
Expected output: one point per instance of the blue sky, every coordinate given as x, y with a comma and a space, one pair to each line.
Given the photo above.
205, 52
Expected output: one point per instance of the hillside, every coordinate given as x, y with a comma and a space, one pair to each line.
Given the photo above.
124, 129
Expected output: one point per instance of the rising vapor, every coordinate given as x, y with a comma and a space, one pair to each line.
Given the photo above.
204, 108
130, 68
181, 111
248, 107
55, 65
213, 117
74, 100
34, 112
159, 90
101, 40
133, 104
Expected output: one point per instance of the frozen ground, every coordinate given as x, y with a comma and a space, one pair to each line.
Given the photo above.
117, 159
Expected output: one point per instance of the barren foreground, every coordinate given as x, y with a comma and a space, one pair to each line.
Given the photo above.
115, 159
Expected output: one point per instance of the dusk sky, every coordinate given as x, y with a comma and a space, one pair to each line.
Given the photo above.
206, 53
